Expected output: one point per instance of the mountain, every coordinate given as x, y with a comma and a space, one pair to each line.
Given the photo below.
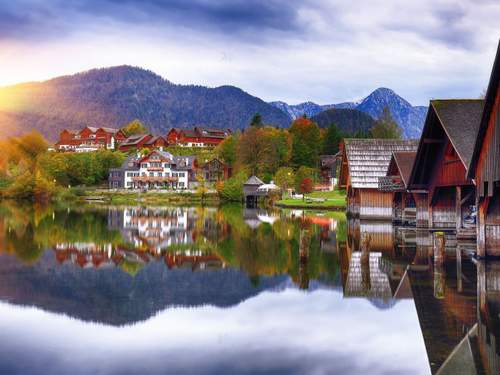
411, 119
115, 96
308, 108
348, 120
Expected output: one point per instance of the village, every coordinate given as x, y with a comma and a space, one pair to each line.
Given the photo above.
448, 181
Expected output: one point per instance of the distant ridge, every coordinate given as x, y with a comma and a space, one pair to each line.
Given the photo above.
115, 96
410, 118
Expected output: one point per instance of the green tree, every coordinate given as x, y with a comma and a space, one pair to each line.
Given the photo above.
227, 149
385, 127
232, 189
303, 173
284, 178
305, 140
331, 140
256, 120
134, 127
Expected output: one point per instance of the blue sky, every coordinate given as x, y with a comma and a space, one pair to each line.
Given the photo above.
324, 51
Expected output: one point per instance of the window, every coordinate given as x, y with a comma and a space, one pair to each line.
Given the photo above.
160, 174
144, 165
151, 174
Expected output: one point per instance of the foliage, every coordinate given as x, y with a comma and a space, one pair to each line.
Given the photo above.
349, 121
134, 127
303, 173
305, 140
385, 127
331, 140
306, 186
284, 178
263, 150
232, 189
226, 150
256, 120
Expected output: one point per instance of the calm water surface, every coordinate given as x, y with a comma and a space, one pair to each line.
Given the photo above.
127, 290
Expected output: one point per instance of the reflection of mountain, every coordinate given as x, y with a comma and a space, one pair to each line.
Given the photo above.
111, 296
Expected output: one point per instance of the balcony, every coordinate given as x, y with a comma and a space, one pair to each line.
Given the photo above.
154, 179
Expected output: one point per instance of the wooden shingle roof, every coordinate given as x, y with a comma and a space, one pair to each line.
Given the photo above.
368, 159
460, 119
404, 162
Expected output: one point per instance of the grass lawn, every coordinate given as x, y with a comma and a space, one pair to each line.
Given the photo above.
333, 199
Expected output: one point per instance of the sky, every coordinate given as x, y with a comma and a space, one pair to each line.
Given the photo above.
308, 50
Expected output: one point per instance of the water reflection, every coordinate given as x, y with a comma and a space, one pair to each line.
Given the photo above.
190, 290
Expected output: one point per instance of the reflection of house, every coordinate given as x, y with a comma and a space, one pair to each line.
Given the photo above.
442, 159
215, 170
156, 170
197, 137
89, 139
363, 162
485, 168
396, 182
154, 229
195, 261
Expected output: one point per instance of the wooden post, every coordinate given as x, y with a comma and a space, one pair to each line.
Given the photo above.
459, 269
365, 261
482, 206
458, 207
439, 248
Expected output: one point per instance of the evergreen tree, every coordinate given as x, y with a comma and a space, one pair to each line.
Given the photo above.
256, 120
386, 127
331, 140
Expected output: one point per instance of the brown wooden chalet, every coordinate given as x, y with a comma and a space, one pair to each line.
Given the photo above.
396, 182
444, 195
89, 139
215, 170
364, 161
485, 168
142, 141
197, 136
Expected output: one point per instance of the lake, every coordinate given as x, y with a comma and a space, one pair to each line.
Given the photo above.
227, 290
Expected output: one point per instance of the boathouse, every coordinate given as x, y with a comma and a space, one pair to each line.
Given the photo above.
250, 191
485, 168
440, 168
364, 161
396, 182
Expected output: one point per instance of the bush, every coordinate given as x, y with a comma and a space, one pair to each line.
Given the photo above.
232, 189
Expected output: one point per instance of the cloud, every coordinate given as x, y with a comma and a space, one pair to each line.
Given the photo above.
319, 50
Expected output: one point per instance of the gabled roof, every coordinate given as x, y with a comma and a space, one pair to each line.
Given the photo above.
404, 161
460, 119
368, 159
254, 180
135, 139
488, 108
153, 140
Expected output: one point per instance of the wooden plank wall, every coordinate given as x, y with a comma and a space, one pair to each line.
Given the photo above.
492, 222
444, 210
375, 204
421, 202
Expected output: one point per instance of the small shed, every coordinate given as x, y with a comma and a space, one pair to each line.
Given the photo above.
364, 161
250, 191
396, 182
440, 167
485, 168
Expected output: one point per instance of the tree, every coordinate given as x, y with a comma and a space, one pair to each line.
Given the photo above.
232, 189
227, 149
256, 120
134, 127
331, 140
202, 188
385, 127
284, 178
305, 140
303, 173
306, 186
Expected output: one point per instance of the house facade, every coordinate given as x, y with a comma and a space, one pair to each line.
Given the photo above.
197, 137
215, 170
440, 168
485, 168
156, 170
364, 161
89, 139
